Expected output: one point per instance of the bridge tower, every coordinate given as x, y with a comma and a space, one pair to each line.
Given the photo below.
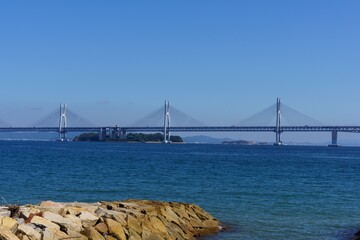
167, 122
278, 123
62, 122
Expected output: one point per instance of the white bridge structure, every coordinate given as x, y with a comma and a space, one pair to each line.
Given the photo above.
277, 118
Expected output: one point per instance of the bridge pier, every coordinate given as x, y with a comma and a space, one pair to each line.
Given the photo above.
278, 139
123, 134
117, 133
62, 123
102, 134
62, 135
334, 138
114, 133
278, 123
167, 122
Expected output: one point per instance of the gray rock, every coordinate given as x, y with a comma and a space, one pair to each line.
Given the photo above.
4, 212
20, 221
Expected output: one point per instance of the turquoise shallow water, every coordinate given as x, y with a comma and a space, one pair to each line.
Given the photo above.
262, 192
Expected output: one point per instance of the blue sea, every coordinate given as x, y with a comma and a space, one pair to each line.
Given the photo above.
259, 192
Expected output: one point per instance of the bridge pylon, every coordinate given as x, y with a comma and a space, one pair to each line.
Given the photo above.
62, 122
278, 123
167, 122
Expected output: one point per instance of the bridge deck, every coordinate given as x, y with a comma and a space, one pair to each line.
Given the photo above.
354, 129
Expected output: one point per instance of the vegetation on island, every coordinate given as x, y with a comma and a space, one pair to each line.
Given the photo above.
154, 137
131, 137
87, 137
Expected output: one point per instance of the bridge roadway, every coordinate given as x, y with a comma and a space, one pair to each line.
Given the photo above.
49, 129
350, 129
353, 129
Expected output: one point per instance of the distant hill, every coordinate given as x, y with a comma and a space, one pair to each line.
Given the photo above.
205, 139
244, 142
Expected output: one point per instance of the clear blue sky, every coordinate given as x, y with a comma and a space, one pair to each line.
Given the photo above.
219, 61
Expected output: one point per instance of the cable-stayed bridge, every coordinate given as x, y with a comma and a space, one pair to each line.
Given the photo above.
278, 118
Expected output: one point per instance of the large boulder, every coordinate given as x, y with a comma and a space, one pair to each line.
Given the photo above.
7, 234
68, 223
115, 228
28, 231
93, 234
9, 223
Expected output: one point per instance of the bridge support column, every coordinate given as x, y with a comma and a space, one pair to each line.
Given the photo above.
117, 134
278, 123
334, 139
102, 134
167, 123
123, 134
112, 133
62, 123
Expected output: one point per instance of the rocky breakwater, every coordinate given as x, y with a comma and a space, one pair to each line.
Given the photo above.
125, 220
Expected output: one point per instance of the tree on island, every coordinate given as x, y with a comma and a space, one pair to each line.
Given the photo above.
87, 137
155, 137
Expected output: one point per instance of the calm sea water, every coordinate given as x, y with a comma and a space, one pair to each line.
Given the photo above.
262, 192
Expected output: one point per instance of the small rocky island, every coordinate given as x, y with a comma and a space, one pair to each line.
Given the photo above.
131, 137
122, 220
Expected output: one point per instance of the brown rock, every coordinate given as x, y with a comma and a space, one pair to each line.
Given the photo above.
90, 207
75, 235
169, 214
109, 237
7, 234
133, 235
117, 216
158, 225
175, 231
192, 214
181, 212
72, 210
174, 234
211, 226
154, 236
134, 224
102, 227
146, 226
200, 212
93, 234
115, 228
129, 205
